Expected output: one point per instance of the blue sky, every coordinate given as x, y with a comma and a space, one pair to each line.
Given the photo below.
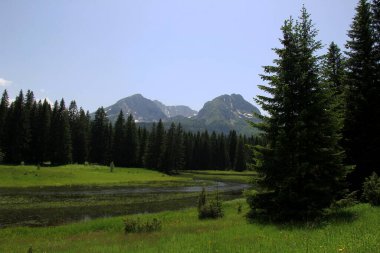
179, 52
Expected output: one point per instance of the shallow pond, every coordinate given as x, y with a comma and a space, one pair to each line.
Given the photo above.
49, 206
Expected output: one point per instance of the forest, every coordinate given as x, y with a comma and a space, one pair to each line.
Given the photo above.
34, 132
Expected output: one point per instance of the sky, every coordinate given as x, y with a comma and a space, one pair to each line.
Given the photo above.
181, 52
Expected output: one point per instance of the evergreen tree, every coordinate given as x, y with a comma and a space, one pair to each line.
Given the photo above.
171, 159
361, 139
82, 137
131, 142
205, 152
42, 132
99, 137
240, 159
150, 155
109, 141
159, 144
61, 150
16, 132
165, 162
301, 168
224, 158
143, 139
118, 150
29, 114
4, 104
73, 115
34, 125
232, 142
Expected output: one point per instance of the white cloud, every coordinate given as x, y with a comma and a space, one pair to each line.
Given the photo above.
4, 82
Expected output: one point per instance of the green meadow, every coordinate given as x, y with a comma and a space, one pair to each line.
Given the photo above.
31, 176
354, 229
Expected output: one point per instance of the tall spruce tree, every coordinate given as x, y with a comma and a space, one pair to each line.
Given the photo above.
301, 166
4, 104
150, 155
131, 142
42, 133
16, 131
118, 151
99, 137
361, 139
60, 129
143, 139
240, 156
82, 137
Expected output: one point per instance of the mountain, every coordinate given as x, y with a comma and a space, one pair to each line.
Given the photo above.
222, 114
229, 112
146, 110
177, 110
227, 108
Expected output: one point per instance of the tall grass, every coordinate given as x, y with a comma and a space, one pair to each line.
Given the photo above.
357, 231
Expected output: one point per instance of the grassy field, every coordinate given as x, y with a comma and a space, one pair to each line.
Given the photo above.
30, 176
357, 231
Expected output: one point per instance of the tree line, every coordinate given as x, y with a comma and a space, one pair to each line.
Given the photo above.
35, 132
323, 123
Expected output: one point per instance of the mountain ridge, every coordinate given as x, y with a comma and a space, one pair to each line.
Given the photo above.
221, 114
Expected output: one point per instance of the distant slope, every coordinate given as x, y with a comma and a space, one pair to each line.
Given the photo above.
176, 110
222, 114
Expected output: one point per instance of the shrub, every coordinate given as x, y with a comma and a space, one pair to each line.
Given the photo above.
139, 226
112, 166
239, 208
209, 209
348, 200
371, 189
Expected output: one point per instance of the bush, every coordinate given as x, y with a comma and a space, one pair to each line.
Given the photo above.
139, 226
212, 209
371, 189
348, 200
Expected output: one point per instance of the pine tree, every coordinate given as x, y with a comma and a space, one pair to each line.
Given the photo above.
224, 158
240, 158
99, 137
159, 144
131, 142
205, 152
179, 149
42, 134
73, 115
82, 137
16, 132
214, 152
232, 142
60, 129
4, 104
361, 124
171, 159
118, 150
165, 163
150, 155
143, 139
28, 114
301, 167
